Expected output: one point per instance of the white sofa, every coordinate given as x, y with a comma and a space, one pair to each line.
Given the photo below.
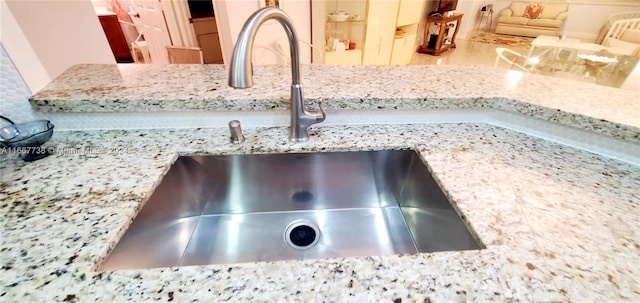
513, 21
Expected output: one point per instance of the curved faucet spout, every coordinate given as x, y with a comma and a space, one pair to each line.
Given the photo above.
241, 69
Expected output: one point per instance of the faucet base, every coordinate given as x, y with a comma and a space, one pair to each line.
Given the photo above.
240, 71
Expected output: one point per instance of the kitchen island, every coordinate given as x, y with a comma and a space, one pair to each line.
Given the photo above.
558, 223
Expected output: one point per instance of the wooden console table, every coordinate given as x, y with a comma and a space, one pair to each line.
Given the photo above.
440, 46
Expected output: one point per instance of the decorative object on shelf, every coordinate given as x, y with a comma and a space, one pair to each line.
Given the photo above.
338, 16
340, 45
269, 3
444, 7
26, 138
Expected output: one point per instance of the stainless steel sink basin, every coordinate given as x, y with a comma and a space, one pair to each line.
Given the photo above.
266, 207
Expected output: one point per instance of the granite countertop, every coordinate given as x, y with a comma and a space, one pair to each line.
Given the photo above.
558, 223
143, 88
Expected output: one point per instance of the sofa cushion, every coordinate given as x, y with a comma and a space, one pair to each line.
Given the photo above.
552, 10
545, 23
631, 35
533, 11
514, 20
621, 47
519, 8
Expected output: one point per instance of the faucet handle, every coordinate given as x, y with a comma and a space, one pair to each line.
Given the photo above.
323, 115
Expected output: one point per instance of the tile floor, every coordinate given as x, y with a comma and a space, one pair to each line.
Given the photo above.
469, 52
466, 53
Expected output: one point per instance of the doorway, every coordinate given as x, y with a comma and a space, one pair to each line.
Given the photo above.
203, 18
147, 28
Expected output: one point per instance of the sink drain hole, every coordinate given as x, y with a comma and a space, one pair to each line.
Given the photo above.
302, 197
302, 234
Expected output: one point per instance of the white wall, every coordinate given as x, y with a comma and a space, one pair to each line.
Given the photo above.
231, 15
25, 59
46, 37
585, 20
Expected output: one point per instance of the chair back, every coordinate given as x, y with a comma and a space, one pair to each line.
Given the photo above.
619, 27
185, 55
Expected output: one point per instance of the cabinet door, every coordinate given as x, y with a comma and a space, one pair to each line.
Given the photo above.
409, 12
381, 27
351, 57
403, 49
206, 33
211, 49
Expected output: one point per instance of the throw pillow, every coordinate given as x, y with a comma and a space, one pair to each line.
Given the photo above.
533, 11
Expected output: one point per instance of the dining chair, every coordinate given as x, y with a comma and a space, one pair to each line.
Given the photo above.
185, 55
139, 46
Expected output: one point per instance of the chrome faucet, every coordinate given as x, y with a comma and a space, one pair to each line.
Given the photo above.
241, 69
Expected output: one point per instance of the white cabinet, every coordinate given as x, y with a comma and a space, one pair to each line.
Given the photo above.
381, 31
404, 46
409, 12
403, 49
343, 42
352, 57
381, 28
339, 41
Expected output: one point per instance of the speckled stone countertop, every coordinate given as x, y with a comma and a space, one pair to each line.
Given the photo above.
559, 224
139, 87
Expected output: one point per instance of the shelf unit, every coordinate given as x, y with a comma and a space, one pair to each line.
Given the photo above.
347, 33
374, 34
404, 46
327, 34
437, 44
